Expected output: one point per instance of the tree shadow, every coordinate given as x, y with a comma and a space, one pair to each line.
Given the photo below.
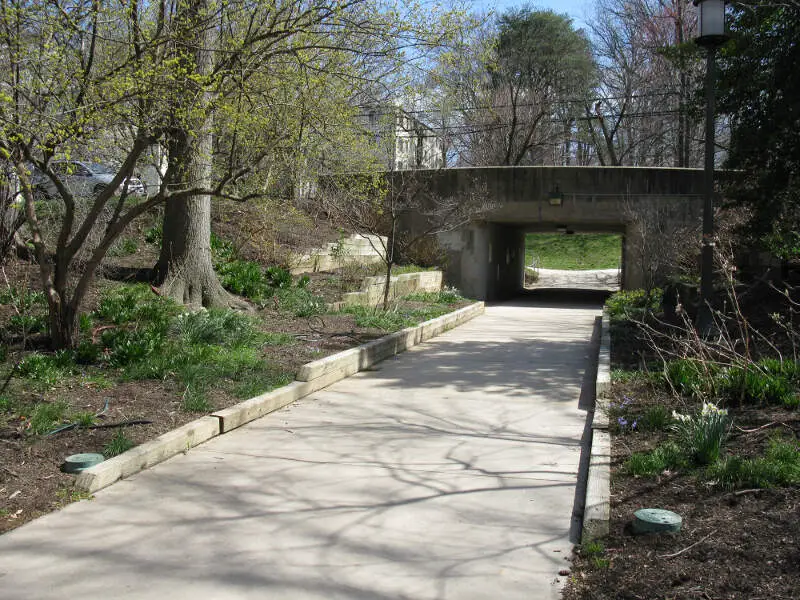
454, 485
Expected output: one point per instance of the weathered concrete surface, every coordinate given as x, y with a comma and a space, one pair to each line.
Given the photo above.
590, 279
447, 472
484, 258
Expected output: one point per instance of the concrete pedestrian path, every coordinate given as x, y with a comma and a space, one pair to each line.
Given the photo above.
448, 472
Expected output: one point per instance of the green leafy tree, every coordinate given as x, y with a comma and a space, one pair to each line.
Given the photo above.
760, 97
200, 78
540, 72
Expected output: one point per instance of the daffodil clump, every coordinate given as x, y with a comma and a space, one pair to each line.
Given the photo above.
702, 435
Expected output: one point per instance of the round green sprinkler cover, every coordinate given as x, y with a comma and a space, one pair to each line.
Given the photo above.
656, 520
78, 462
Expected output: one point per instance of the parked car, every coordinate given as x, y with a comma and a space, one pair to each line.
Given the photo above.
82, 179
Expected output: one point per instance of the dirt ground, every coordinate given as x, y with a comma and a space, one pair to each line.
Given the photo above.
31, 483
742, 545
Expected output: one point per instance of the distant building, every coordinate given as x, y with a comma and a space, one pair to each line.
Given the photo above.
404, 141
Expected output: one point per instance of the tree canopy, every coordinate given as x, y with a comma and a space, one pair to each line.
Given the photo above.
760, 96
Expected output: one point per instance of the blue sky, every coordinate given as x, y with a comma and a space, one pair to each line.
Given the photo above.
577, 9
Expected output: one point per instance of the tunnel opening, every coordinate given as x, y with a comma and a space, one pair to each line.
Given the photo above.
566, 259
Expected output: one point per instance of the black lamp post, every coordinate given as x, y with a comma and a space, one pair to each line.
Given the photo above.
711, 15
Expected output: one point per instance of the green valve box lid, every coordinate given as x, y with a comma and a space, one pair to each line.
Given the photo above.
78, 462
656, 520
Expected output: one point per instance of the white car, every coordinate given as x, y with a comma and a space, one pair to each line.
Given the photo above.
82, 179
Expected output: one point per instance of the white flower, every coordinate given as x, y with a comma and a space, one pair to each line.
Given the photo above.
679, 417
709, 408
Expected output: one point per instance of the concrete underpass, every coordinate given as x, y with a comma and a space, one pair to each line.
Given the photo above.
486, 260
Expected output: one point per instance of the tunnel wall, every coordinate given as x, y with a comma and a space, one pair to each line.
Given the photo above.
486, 258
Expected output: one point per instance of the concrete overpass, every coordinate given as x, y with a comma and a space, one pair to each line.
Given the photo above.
486, 258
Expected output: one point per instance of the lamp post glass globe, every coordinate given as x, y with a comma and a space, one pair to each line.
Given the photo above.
711, 17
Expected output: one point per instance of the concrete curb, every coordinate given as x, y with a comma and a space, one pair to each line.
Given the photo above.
148, 454
597, 511
603, 385
597, 507
321, 373
359, 358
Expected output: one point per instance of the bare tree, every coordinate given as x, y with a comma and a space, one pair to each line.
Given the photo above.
398, 211
649, 70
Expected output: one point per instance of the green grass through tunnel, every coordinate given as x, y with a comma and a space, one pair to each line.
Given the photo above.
577, 251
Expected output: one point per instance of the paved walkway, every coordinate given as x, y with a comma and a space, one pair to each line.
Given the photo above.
446, 472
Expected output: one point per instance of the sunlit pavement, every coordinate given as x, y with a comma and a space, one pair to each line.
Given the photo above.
596, 279
447, 472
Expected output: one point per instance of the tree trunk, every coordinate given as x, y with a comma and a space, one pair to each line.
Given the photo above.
387, 286
185, 268
63, 323
185, 271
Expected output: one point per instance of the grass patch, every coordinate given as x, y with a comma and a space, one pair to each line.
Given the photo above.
118, 444
595, 553
573, 252
655, 417
261, 382
780, 466
634, 376
648, 464
136, 303
46, 370
299, 302
47, 416
72, 495
195, 400
215, 326
394, 319
404, 269
445, 296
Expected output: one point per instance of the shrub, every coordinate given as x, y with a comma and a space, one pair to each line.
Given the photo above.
691, 377
215, 326
633, 304
244, 278
755, 384
702, 435
128, 303
300, 302
278, 277
87, 353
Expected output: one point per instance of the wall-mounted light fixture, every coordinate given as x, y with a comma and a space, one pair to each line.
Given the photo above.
555, 197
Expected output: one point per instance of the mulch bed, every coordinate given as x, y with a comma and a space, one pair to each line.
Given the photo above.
741, 544
31, 483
